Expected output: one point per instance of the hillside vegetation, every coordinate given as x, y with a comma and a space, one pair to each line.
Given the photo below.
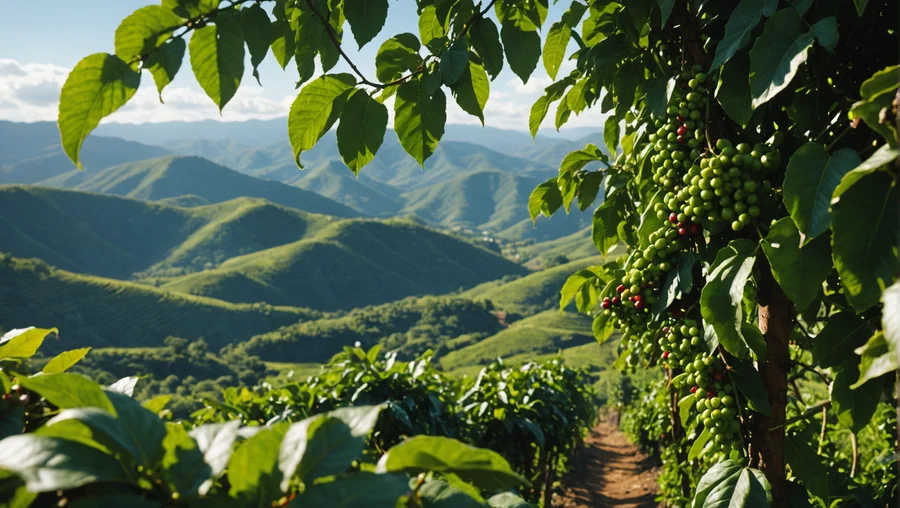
117, 237
93, 311
350, 264
170, 177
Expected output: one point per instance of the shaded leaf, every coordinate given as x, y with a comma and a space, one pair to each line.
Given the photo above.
799, 271
366, 18
315, 110
777, 55
720, 299
165, 62
485, 40
361, 131
217, 58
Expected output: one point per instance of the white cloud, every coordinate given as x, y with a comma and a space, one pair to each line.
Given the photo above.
31, 92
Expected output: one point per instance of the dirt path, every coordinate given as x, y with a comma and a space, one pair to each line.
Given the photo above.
610, 471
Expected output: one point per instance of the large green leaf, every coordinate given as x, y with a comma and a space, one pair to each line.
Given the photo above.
116, 435
611, 133
750, 383
183, 468
729, 484
800, 271
883, 156
67, 391
358, 490
472, 90
720, 299
555, 47
806, 465
485, 40
733, 92
257, 29
854, 408
253, 469
454, 62
440, 494
47, 463
396, 56
740, 23
605, 222
574, 284
544, 199
865, 236
65, 360
539, 109
315, 110
141, 426
419, 119
143, 31
430, 27
217, 58
165, 62
843, 333
366, 18
777, 55
97, 86
23, 342
810, 180
523, 48
483, 468
361, 131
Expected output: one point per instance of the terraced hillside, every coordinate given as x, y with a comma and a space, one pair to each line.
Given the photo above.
174, 176
350, 264
94, 311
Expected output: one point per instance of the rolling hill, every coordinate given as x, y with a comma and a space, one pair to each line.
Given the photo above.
537, 291
349, 264
171, 177
118, 237
94, 311
31, 152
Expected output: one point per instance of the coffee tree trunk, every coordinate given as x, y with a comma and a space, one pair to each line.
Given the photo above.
767, 432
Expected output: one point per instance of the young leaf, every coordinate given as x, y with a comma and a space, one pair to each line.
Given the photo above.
733, 92
143, 31
806, 465
483, 468
834, 345
23, 342
217, 58
485, 40
366, 18
545, 199
165, 62
523, 48
742, 21
65, 360
361, 131
257, 29
315, 110
358, 490
47, 464
809, 181
419, 119
864, 239
66, 390
396, 56
253, 468
854, 408
720, 299
777, 55
472, 90
799, 271
97, 86
430, 27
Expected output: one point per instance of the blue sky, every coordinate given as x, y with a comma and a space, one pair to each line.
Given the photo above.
41, 41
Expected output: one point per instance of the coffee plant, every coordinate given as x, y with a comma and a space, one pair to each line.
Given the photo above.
67, 440
750, 168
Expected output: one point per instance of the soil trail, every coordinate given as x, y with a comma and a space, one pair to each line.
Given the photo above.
609, 471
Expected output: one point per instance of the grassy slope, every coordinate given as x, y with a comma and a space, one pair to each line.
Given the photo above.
93, 311
533, 293
351, 264
547, 332
169, 177
117, 237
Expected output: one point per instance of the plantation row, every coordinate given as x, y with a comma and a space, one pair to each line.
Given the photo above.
368, 432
